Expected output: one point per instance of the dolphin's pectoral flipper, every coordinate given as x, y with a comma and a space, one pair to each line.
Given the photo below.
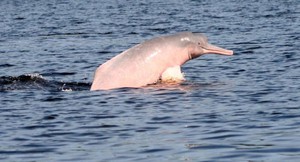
172, 74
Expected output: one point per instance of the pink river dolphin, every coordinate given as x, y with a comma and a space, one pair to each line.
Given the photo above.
153, 60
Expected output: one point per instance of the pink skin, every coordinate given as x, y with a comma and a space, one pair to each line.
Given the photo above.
144, 63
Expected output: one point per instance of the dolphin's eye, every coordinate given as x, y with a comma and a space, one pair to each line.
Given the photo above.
199, 44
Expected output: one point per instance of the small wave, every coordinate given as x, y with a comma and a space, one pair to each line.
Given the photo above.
38, 82
6, 65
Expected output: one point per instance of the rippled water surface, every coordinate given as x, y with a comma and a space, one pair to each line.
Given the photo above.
239, 108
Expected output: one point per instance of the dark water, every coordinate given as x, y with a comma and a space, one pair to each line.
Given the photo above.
239, 108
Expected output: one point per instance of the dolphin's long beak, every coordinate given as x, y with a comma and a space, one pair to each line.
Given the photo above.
209, 48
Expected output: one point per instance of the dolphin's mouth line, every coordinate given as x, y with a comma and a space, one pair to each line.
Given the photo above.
218, 50
207, 48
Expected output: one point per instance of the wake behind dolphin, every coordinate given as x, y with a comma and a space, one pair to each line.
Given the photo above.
156, 59
38, 82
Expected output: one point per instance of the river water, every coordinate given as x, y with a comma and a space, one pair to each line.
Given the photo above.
239, 108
